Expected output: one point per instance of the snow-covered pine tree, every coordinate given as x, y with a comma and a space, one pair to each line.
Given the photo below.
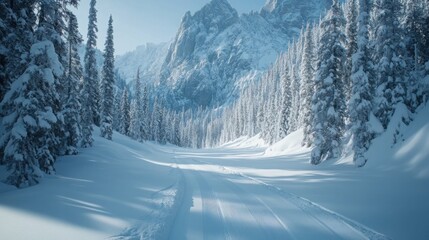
286, 99
17, 37
51, 27
351, 46
360, 105
107, 84
90, 67
146, 114
5, 30
413, 23
31, 116
295, 90
328, 103
86, 112
117, 105
137, 127
307, 85
389, 56
124, 123
74, 74
133, 119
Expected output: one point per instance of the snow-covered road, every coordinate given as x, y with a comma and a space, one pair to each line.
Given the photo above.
125, 190
219, 203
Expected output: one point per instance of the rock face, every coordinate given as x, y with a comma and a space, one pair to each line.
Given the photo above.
149, 58
289, 15
216, 51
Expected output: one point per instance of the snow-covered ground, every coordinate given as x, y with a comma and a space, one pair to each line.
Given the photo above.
243, 190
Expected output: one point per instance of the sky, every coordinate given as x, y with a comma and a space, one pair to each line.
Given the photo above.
136, 22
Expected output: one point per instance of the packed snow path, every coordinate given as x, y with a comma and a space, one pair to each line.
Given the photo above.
125, 190
219, 203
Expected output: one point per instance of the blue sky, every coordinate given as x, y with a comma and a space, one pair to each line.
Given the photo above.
137, 22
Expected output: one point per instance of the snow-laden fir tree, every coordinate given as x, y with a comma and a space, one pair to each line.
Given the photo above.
107, 84
125, 118
90, 67
146, 114
5, 30
295, 92
360, 105
117, 105
17, 36
137, 127
328, 103
389, 56
307, 84
29, 140
351, 46
157, 125
51, 27
413, 23
286, 100
74, 74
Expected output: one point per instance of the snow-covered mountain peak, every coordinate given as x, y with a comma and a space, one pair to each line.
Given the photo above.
218, 14
216, 51
291, 15
272, 5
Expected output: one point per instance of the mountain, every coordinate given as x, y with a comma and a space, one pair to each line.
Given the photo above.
216, 51
148, 57
289, 15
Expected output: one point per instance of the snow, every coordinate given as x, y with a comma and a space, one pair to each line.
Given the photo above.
47, 47
123, 189
95, 195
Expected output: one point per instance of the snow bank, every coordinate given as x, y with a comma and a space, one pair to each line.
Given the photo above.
246, 142
112, 186
291, 144
402, 146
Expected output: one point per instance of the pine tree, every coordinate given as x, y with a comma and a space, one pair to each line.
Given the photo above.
295, 92
307, 73
17, 37
124, 124
91, 72
351, 46
146, 114
87, 119
74, 74
328, 104
29, 139
107, 85
137, 124
360, 106
414, 24
286, 102
389, 56
117, 114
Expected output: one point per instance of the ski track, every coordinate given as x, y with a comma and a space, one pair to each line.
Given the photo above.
224, 208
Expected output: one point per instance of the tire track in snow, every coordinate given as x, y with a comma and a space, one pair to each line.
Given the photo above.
305, 204
211, 201
271, 235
